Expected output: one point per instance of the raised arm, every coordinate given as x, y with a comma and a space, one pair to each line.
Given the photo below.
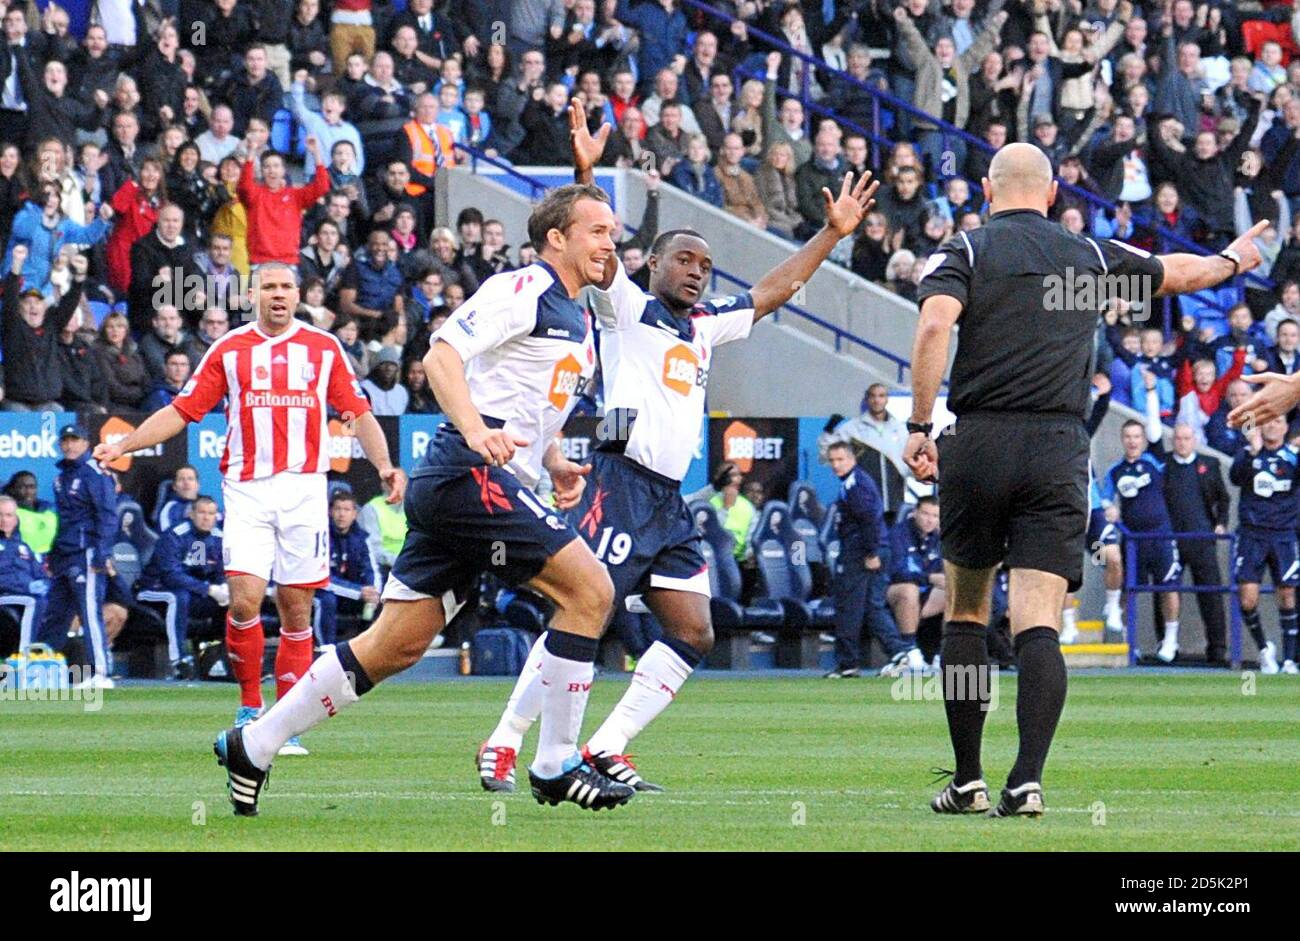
1186, 273
162, 425
843, 216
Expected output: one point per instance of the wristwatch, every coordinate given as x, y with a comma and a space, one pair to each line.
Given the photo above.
920, 428
1232, 257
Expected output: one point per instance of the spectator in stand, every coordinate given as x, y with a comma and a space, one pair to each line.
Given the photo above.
1267, 470
166, 336
387, 395
667, 88
871, 248
826, 169
408, 67
124, 371
1287, 308
38, 519
667, 139
695, 174
186, 573
422, 400
662, 29
898, 274
195, 191
176, 505
1200, 393
84, 385
915, 572
176, 372
161, 265
1205, 174
1283, 358
436, 38
736, 514
1243, 333
446, 258
354, 574
135, 211
30, 336
217, 142
51, 111
788, 126
213, 325
861, 570
255, 93
777, 189
546, 121
312, 306
1119, 164
714, 113
23, 584
1151, 359
220, 277
943, 82
1217, 433
324, 258
42, 229
275, 209
747, 120
346, 330
1198, 502
903, 205
328, 126
424, 147
231, 220
739, 194
371, 284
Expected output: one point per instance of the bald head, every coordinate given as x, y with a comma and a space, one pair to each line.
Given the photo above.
1020, 176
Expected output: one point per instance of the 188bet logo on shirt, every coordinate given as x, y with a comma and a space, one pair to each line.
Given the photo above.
682, 370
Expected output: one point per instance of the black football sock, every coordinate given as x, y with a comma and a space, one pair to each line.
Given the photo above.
1039, 702
1251, 620
1287, 619
964, 666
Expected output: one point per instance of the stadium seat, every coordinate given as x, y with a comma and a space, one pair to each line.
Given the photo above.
143, 640
161, 496
782, 554
732, 621
803, 502
132, 528
282, 131
337, 486
99, 310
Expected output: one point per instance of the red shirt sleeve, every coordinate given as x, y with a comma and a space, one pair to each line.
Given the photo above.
205, 388
318, 187
246, 190
345, 395
124, 198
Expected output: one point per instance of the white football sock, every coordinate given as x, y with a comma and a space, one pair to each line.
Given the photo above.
525, 702
1069, 617
1112, 599
659, 675
320, 694
1171, 629
565, 686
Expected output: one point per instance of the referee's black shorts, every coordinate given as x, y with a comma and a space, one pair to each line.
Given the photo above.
1013, 487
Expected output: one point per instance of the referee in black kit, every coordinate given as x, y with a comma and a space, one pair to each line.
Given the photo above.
1014, 472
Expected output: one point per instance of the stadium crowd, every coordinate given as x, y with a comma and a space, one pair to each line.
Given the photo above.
152, 152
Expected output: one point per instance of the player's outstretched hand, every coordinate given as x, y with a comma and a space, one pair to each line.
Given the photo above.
586, 149
1245, 246
1277, 395
569, 480
394, 481
495, 445
107, 453
920, 454
845, 213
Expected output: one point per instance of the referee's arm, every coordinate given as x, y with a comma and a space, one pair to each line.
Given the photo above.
1186, 273
939, 314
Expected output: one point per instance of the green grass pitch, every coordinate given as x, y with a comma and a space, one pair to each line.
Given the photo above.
1141, 762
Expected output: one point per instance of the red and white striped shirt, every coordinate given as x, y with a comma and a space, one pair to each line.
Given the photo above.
277, 390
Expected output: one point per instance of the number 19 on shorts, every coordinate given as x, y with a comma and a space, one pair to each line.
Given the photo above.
617, 545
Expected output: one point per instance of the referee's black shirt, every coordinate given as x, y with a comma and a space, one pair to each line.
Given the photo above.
1029, 316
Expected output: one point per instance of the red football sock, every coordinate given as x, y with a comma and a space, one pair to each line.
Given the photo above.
292, 660
244, 646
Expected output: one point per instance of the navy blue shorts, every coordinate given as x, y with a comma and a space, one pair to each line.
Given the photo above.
1100, 533
637, 523
465, 518
1257, 548
1157, 562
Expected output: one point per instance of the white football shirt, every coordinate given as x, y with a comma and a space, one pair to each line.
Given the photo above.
658, 364
529, 353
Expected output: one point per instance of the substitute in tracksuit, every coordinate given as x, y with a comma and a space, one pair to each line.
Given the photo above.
1266, 471
354, 576
82, 554
186, 573
862, 569
23, 584
1133, 490
915, 569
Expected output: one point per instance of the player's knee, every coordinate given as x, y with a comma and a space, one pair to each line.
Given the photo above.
594, 598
